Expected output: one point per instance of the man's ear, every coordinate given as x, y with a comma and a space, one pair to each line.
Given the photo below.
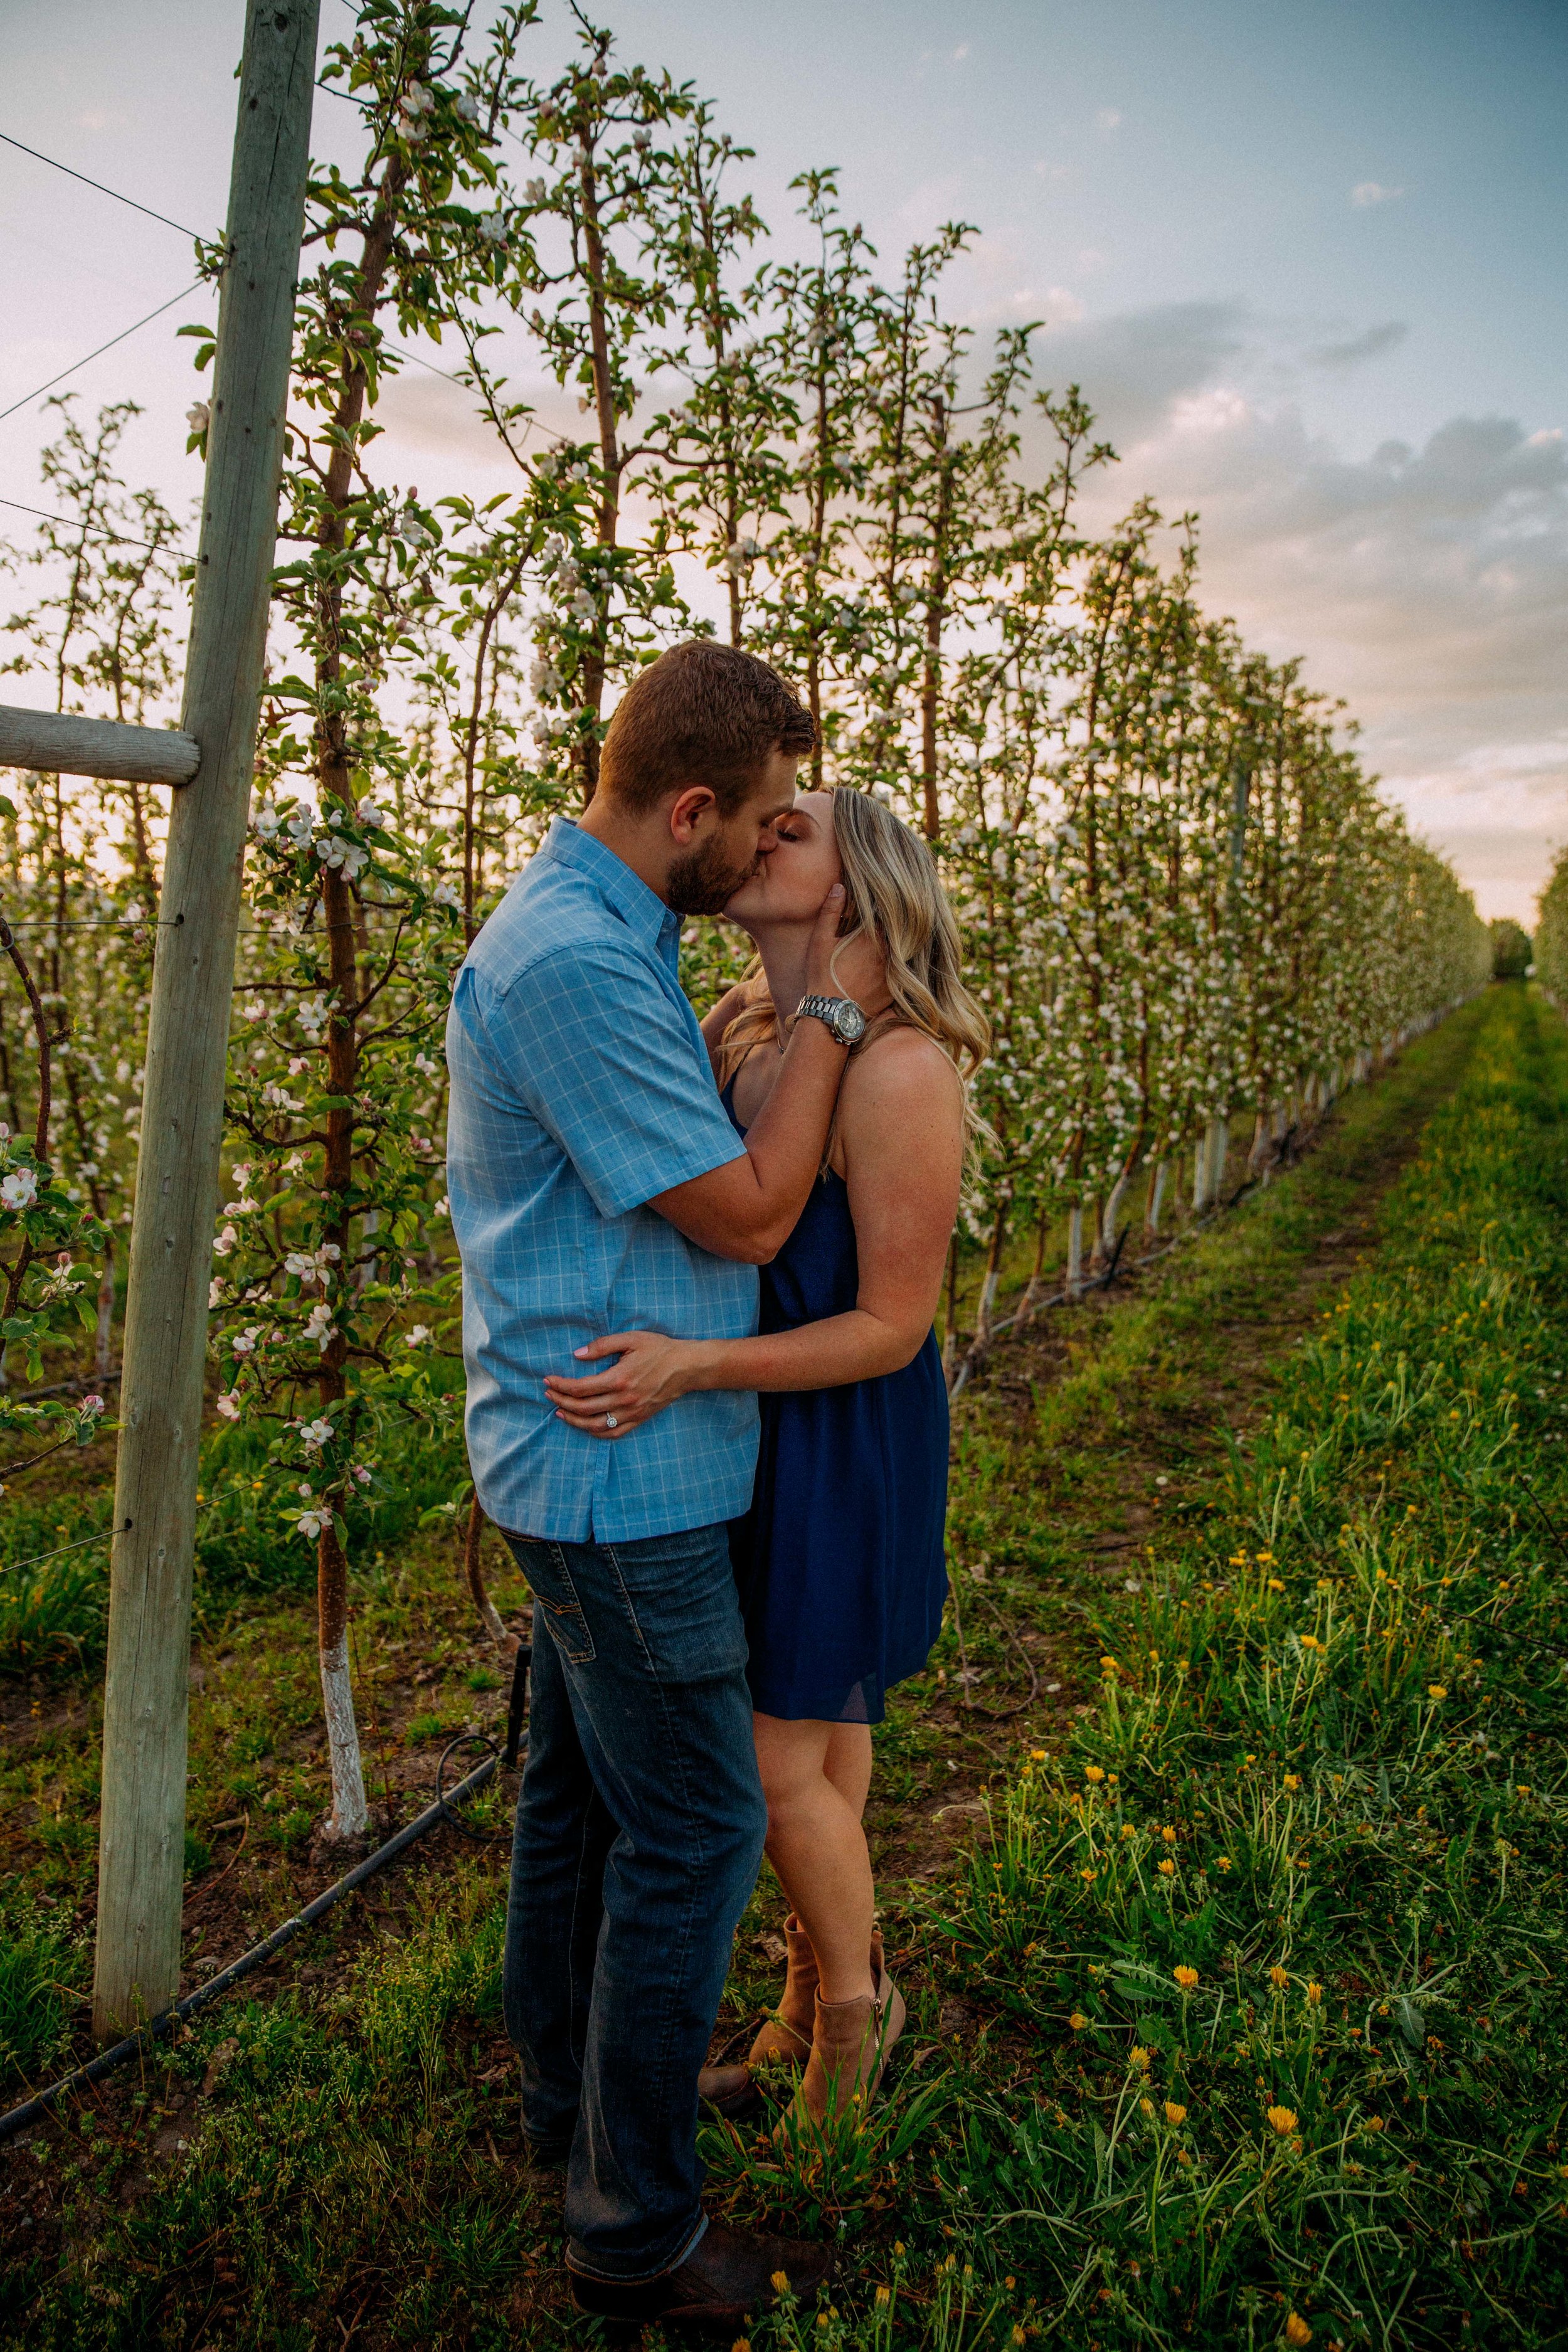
687, 811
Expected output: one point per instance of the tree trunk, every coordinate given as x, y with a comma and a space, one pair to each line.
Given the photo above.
349, 1815
1157, 1176
1075, 1250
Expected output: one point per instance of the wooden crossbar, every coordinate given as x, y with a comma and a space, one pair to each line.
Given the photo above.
60, 744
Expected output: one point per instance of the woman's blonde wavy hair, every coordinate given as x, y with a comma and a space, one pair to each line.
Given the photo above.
892, 888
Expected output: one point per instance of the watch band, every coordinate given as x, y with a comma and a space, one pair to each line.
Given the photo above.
839, 1015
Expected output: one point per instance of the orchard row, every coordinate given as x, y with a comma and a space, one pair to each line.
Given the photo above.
1185, 905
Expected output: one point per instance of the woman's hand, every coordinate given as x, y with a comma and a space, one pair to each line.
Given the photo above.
651, 1373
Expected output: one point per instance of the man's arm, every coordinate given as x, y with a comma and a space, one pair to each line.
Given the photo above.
747, 1209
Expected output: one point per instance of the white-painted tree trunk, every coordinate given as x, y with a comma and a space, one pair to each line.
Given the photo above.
1157, 1176
349, 1815
1216, 1146
1075, 1250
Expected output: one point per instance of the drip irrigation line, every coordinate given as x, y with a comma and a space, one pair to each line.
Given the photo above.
77, 365
94, 531
106, 1534
158, 2028
55, 165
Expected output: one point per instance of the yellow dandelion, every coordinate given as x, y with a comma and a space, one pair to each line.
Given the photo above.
1187, 1978
1182, 2156
1077, 2020
1292, 1779
1374, 2123
1037, 1755
780, 2282
1279, 1979
1169, 1835
1167, 1870
1283, 2120
883, 2294
1224, 1863
1175, 2113
1314, 1995
1265, 1559
1092, 1773
1297, 2330
1140, 2056
1276, 1584
1146, 2107
1086, 1876
1436, 1690
1109, 1665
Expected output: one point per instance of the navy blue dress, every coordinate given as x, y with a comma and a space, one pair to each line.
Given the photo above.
840, 1559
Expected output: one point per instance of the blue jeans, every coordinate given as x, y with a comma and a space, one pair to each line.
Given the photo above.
639, 1831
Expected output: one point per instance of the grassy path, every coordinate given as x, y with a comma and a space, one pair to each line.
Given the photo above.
1233, 2018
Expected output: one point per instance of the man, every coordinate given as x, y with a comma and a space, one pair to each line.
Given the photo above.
597, 1185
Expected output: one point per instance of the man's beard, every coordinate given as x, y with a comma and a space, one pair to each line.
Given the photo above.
704, 881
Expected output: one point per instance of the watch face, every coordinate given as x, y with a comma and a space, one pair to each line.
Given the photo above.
850, 1023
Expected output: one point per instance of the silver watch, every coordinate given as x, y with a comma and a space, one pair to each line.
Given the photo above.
841, 1014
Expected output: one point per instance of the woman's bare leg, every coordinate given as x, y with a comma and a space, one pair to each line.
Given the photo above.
816, 1842
848, 1764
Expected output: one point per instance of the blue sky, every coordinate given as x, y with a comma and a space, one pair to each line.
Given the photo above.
1306, 259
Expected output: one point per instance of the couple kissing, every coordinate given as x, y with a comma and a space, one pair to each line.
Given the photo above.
706, 1410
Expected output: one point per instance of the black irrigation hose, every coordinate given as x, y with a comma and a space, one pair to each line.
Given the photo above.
159, 2028
516, 1702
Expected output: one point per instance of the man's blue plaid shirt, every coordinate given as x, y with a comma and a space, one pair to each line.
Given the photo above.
580, 1087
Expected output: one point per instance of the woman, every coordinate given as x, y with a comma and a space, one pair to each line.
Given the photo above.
840, 1559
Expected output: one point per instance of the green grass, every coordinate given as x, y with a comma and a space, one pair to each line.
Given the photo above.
1284, 1919
1365, 1878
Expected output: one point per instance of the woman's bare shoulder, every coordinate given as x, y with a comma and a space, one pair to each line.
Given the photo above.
901, 1073
717, 1017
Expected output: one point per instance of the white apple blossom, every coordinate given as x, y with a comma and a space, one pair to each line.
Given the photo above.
20, 1189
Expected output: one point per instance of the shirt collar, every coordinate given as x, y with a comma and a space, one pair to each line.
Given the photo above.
645, 915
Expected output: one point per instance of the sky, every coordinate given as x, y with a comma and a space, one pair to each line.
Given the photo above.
1305, 258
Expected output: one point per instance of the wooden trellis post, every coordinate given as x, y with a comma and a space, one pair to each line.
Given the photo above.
142, 1852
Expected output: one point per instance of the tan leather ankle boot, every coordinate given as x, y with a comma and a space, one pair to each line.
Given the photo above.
730, 2091
851, 2044
787, 2033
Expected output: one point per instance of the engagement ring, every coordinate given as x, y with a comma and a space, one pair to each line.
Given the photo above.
610, 1421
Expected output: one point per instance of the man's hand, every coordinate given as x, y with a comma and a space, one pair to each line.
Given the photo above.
653, 1371
855, 967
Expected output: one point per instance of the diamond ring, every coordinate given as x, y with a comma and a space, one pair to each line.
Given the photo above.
610, 1421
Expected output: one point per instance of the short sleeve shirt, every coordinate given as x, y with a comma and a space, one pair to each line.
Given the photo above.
580, 1088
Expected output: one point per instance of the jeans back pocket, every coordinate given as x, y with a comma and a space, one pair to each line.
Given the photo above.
544, 1565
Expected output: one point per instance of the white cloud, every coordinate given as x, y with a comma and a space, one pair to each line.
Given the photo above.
961, 53
1426, 585
1370, 192
1108, 119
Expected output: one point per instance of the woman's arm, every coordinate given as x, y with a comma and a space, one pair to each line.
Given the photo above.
901, 1123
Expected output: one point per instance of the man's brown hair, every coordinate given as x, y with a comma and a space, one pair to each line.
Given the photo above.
703, 713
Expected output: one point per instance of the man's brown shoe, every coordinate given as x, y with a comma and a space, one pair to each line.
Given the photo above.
728, 2274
